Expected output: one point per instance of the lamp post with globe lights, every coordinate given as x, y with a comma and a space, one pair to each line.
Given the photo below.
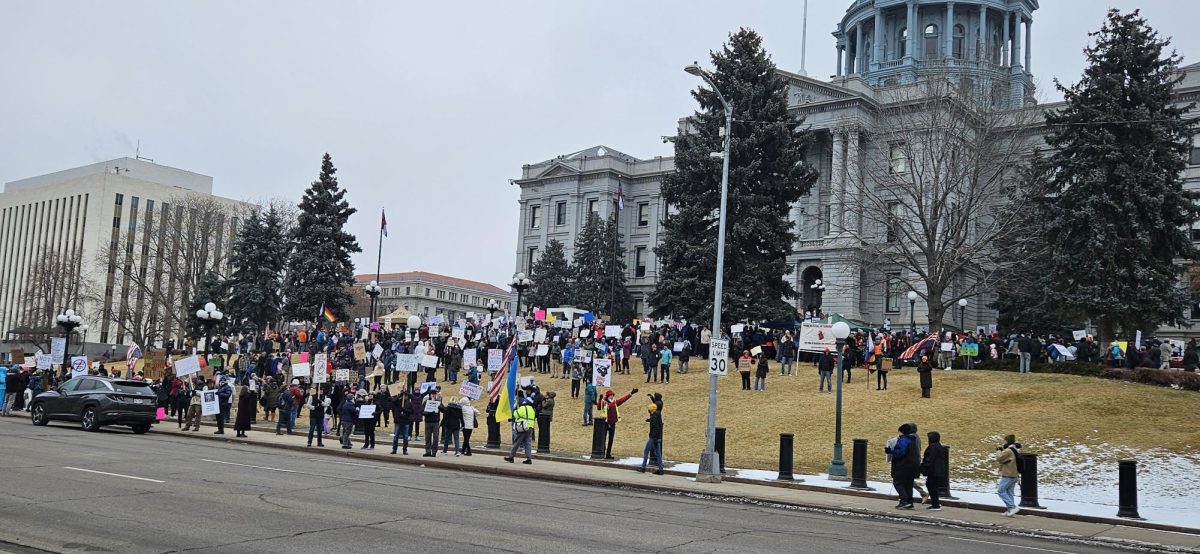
209, 316
837, 466
520, 283
68, 320
962, 314
492, 308
912, 316
372, 289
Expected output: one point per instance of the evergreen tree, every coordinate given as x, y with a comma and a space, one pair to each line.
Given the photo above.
319, 267
1117, 212
551, 276
259, 257
767, 175
598, 268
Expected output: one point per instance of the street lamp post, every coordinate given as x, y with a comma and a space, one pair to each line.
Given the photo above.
414, 327
709, 469
837, 466
372, 289
520, 283
209, 315
962, 314
912, 316
492, 308
68, 320
818, 287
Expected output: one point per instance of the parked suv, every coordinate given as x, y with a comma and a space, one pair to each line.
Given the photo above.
95, 401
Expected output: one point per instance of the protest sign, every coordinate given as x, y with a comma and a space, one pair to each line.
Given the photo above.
601, 372
495, 358
426, 387
360, 352
542, 350
301, 370
525, 335
1078, 335
756, 351
970, 349
319, 376
816, 337
469, 357
366, 411
562, 324
947, 347
539, 335
208, 403
434, 330
58, 349
470, 390
17, 355
677, 347
539, 315
584, 356
435, 320
321, 363
429, 361
154, 364
458, 333
644, 327
341, 375
612, 330
395, 389
187, 366
585, 333
41, 361
432, 406
377, 351
406, 362
737, 328
78, 366
526, 381
470, 315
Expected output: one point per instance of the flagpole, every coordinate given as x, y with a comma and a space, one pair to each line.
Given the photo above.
378, 259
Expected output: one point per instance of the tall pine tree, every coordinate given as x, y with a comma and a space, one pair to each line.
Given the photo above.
259, 258
598, 267
551, 276
1117, 214
319, 267
767, 174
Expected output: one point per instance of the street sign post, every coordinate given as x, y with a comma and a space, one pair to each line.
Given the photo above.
718, 357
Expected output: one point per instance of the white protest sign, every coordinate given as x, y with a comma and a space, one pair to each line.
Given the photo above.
539, 335
562, 324
495, 359
208, 403
736, 328
585, 333
432, 406
341, 375
601, 372
677, 347
42, 361
187, 366
1137, 342
58, 349
583, 356
78, 366
301, 370
1064, 353
947, 347
718, 357
429, 361
320, 367
458, 333
816, 337
406, 362
524, 336
377, 351
470, 390
366, 411
319, 377
542, 350
644, 327
1078, 335
434, 330
757, 350
469, 357
470, 315
612, 330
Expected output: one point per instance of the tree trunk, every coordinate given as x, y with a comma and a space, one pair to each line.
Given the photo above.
936, 309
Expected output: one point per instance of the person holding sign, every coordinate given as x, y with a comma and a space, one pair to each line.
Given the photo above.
432, 410
402, 416
523, 422
366, 413
743, 366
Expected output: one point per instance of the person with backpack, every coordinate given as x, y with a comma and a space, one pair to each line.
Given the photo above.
935, 465
1008, 456
524, 421
283, 402
905, 460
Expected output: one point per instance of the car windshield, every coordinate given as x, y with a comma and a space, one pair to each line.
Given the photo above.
131, 387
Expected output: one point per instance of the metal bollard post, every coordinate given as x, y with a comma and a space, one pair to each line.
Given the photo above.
786, 447
1127, 490
719, 446
493, 430
944, 488
858, 466
599, 433
543, 434
1029, 487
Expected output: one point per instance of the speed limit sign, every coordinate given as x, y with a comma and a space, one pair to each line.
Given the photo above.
718, 357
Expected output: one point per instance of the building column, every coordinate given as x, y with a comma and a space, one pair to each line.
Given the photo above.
839, 60
1028, 45
1016, 49
949, 32
858, 49
1004, 50
877, 46
837, 181
911, 42
984, 36
853, 184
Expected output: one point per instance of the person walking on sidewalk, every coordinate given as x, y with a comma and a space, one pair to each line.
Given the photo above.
936, 467
905, 462
523, 422
347, 415
318, 408
1008, 457
654, 441
609, 410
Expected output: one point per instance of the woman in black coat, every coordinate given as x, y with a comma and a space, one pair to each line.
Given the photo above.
936, 467
926, 372
245, 410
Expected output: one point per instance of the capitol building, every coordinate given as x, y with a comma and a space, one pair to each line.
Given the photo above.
888, 51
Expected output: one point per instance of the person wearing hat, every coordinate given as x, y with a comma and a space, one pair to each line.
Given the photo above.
432, 410
523, 421
1007, 455
654, 440
744, 365
825, 369
925, 371
906, 459
608, 406
224, 395
935, 465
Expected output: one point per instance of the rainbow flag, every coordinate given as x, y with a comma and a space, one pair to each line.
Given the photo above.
327, 313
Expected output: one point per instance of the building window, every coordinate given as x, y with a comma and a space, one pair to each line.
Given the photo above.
643, 214
898, 158
637, 308
529, 261
426, 292
120, 199
639, 262
441, 295
867, 54
407, 291
893, 221
931, 42
1195, 150
828, 219
560, 213
475, 300
1195, 234
593, 207
960, 37
454, 297
535, 217
903, 40
893, 294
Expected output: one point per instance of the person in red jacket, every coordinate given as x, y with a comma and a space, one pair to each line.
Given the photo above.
608, 406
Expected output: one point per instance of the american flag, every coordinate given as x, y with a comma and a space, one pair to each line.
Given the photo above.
620, 196
133, 355
915, 350
502, 375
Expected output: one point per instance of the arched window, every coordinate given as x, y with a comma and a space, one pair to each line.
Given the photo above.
994, 50
868, 55
931, 42
903, 39
960, 35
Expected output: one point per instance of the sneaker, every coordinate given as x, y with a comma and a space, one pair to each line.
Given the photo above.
1011, 512
658, 472
457, 454
507, 459
906, 507
527, 461
641, 470
934, 508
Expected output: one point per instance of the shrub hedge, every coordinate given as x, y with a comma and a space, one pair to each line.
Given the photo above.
1161, 377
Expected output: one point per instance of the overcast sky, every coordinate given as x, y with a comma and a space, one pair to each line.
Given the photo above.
427, 108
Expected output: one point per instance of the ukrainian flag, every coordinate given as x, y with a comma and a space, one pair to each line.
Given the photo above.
507, 399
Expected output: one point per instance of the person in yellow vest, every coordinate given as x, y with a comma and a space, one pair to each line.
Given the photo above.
524, 421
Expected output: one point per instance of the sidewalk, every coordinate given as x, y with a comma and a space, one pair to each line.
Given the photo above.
578, 469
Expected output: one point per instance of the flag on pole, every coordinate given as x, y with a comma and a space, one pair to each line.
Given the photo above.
383, 224
504, 385
870, 352
133, 354
327, 313
915, 350
620, 196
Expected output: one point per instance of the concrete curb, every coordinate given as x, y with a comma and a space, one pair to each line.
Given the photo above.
520, 471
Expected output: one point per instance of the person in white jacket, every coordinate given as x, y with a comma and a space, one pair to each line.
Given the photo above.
470, 415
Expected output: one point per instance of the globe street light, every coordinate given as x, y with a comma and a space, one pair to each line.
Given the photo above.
68, 320
837, 467
912, 317
492, 308
708, 470
818, 287
520, 283
962, 314
372, 289
209, 315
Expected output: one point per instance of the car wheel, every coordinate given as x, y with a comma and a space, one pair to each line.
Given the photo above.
90, 420
141, 428
38, 414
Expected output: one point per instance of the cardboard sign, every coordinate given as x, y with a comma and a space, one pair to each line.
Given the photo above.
470, 356
360, 352
17, 355
187, 366
756, 351
612, 330
208, 403
58, 349
429, 361
525, 336
602, 372
495, 359
301, 370
406, 362
78, 366
470, 390
395, 389
154, 364
366, 411
341, 375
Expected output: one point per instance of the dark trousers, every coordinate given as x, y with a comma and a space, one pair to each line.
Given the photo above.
745, 381
924, 392
932, 484
881, 380
316, 426
575, 388
431, 437
904, 489
612, 433
224, 409
848, 374
466, 444
369, 433
665, 369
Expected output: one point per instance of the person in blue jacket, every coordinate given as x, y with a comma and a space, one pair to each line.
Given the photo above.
3, 383
348, 415
905, 456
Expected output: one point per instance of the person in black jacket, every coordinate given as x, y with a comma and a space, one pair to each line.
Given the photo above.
906, 461
936, 467
825, 369
654, 441
925, 371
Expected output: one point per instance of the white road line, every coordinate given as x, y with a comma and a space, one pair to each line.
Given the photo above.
1011, 545
248, 465
360, 465
113, 474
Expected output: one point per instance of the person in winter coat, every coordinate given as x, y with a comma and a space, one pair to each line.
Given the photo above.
193, 411
881, 373
347, 415
608, 407
825, 369
935, 465
654, 440
589, 402
744, 365
545, 415
245, 411
523, 425
905, 463
760, 374
319, 406
402, 415
432, 411
3, 386
1007, 458
664, 364
787, 348
470, 420
1164, 356
925, 371
451, 427
270, 399
224, 394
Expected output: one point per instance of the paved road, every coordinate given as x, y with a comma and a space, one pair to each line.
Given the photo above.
64, 490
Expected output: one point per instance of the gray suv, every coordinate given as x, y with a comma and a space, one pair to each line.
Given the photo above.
95, 401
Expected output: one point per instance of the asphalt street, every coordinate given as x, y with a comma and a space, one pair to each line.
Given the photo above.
65, 490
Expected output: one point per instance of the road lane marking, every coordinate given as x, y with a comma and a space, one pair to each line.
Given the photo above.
113, 474
248, 465
1011, 545
360, 465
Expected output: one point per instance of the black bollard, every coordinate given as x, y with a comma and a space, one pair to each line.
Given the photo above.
944, 487
493, 428
1029, 487
1127, 491
858, 466
599, 432
786, 447
719, 446
543, 434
